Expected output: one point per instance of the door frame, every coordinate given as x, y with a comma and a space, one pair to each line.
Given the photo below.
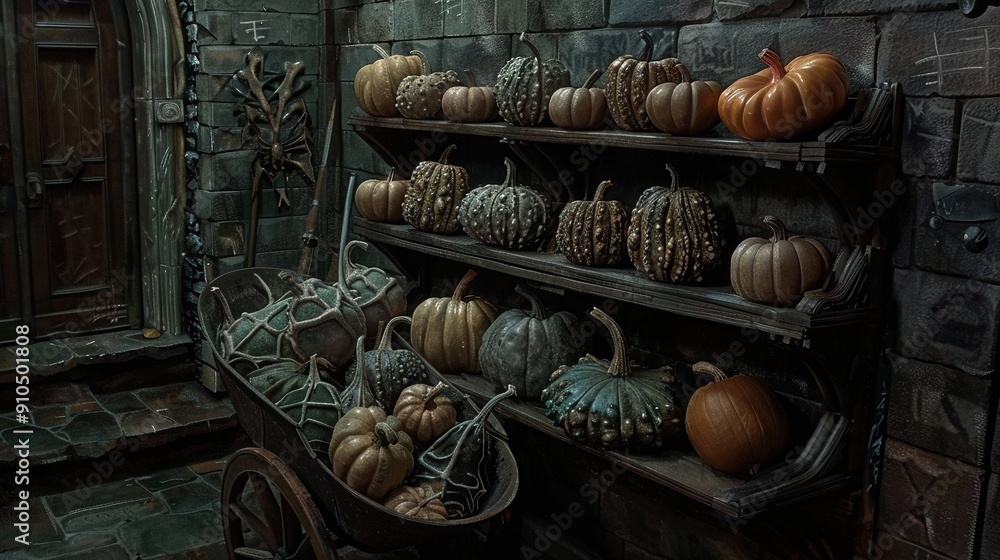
159, 167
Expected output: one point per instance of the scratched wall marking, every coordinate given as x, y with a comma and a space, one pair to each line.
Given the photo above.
967, 51
255, 28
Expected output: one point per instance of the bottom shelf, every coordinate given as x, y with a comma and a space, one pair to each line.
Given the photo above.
680, 471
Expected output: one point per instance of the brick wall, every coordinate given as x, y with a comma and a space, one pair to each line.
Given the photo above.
940, 496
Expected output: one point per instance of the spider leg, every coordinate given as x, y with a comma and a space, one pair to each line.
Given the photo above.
258, 175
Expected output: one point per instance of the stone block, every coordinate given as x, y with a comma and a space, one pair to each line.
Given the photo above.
991, 523
939, 409
485, 56
941, 53
222, 239
980, 140
170, 535
212, 140
546, 43
213, 88
218, 113
228, 59
928, 136
374, 23
227, 171
930, 500
725, 52
746, 9
282, 6
214, 28
658, 12
262, 28
856, 7
274, 259
943, 249
946, 320
469, 17
584, 51
996, 449
568, 14
418, 19
222, 206
515, 16
305, 31
351, 58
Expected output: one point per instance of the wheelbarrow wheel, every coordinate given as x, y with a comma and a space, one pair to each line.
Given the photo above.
261, 495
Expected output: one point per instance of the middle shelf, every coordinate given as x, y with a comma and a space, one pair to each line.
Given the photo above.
712, 303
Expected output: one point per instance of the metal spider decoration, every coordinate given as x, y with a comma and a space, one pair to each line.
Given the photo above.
276, 123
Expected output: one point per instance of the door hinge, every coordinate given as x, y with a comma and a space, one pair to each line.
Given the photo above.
169, 111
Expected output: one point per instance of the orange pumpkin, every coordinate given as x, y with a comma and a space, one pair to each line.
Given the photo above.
778, 270
448, 331
784, 102
580, 108
375, 84
735, 423
684, 109
470, 103
382, 200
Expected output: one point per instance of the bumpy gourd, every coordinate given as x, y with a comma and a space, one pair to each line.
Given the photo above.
506, 215
582, 108
382, 200
448, 331
470, 103
436, 190
525, 85
778, 271
389, 371
523, 348
375, 84
610, 405
673, 235
629, 81
419, 97
592, 233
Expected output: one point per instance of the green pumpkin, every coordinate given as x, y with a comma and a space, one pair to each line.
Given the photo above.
419, 97
389, 371
506, 215
609, 404
436, 190
525, 85
379, 295
523, 348
673, 235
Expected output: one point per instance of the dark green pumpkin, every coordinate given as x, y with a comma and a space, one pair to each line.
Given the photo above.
523, 348
379, 295
592, 233
609, 405
419, 97
525, 85
389, 371
506, 215
673, 235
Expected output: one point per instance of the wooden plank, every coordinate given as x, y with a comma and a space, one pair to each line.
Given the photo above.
717, 304
704, 145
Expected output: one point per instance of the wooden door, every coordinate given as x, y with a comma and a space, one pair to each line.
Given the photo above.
73, 104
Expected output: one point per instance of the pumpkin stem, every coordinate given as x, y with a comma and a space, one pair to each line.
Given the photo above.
684, 72
673, 177
471, 77
344, 225
385, 338
358, 390
778, 232
430, 498
347, 263
435, 391
386, 435
537, 311
392, 173
773, 61
227, 313
491, 404
594, 76
381, 52
463, 285
709, 369
619, 366
605, 185
647, 50
539, 75
425, 65
508, 181
447, 152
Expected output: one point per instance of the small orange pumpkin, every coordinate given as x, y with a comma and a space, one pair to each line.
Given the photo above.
735, 423
783, 102
424, 412
684, 109
382, 200
471, 103
778, 270
582, 108
422, 502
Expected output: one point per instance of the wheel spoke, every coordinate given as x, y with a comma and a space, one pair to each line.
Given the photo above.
256, 525
291, 527
268, 504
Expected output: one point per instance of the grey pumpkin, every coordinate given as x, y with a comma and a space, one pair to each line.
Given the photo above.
506, 215
592, 233
419, 97
673, 235
525, 85
523, 348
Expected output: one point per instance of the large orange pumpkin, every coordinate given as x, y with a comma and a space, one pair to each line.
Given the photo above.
448, 331
783, 102
735, 423
778, 270
375, 84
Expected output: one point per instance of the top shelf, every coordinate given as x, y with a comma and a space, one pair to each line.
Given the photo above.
796, 152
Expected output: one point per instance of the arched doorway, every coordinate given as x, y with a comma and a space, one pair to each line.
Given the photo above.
92, 201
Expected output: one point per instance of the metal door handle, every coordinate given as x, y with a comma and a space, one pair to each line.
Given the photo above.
34, 186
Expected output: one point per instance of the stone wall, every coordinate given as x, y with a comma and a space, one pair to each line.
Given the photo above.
940, 484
